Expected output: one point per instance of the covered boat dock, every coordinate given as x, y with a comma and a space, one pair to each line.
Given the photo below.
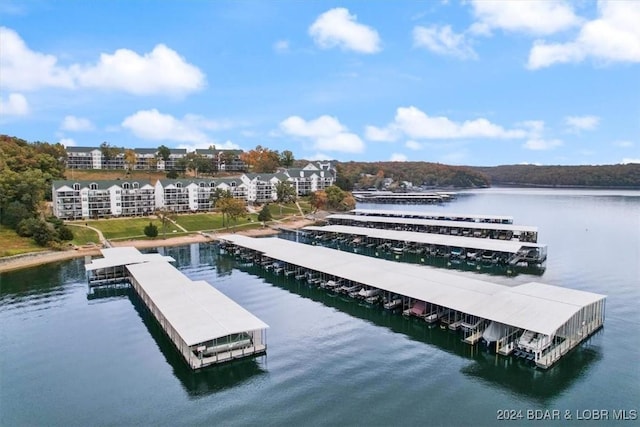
205, 326
491, 250
535, 321
487, 230
441, 216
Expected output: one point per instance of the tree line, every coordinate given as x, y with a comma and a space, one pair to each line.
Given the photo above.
26, 172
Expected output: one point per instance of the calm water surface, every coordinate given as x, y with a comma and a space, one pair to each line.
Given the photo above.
67, 360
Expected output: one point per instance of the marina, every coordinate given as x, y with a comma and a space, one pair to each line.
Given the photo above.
533, 321
204, 325
508, 252
440, 216
484, 230
411, 198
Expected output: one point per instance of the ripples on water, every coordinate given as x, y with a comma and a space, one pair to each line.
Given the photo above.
66, 359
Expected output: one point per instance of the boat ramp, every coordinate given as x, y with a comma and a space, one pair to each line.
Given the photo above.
534, 321
205, 325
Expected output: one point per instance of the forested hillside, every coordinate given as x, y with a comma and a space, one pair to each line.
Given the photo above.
627, 176
354, 175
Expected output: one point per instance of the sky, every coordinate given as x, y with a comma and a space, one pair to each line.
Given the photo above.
479, 83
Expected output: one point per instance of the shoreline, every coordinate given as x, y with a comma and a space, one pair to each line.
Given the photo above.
35, 259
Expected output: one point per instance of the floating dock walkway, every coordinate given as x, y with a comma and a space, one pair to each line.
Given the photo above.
205, 326
485, 230
505, 251
535, 321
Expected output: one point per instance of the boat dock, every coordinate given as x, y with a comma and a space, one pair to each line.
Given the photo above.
413, 198
490, 250
441, 216
486, 230
534, 321
205, 325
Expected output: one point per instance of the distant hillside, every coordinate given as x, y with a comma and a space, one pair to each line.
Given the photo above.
355, 175
619, 176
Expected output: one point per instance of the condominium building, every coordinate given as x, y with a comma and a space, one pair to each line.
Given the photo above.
192, 195
101, 199
311, 178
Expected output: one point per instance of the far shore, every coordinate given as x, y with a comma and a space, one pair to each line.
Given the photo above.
35, 259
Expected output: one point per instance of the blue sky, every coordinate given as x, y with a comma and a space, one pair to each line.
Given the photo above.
457, 82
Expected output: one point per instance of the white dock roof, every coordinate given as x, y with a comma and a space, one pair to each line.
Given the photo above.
533, 306
421, 214
434, 222
509, 246
197, 311
114, 257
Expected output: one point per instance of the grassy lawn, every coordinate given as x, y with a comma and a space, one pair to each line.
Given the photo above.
129, 227
12, 244
197, 222
82, 236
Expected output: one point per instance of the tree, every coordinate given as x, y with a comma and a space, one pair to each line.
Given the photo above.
43, 233
286, 159
265, 214
164, 153
285, 192
172, 174
108, 152
130, 159
165, 217
64, 233
218, 194
151, 230
318, 200
261, 160
231, 208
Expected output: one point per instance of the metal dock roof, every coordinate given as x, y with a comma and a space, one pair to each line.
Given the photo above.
431, 215
509, 246
533, 306
114, 257
197, 311
434, 222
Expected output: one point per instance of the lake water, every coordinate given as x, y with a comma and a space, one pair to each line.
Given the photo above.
68, 360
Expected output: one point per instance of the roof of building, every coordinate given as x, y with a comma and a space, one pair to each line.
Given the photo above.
508, 246
433, 222
196, 310
533, 306
81, 149
101, 184
146, 150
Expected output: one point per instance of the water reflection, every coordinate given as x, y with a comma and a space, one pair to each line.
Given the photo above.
516, 375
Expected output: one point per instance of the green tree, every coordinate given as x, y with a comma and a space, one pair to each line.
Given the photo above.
172, 174
286, 159
285, 192
151, 230
43, 233
109, 152
166, 217
64, 233
164, 153
265, 214
231, 208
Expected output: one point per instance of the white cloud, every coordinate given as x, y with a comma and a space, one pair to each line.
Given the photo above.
67, 142
413, 145
281, 46
580, 123
160, 71
540, 144
416, 124
623, 144
628, 160
76, 124
338, 28
398, 157
326, 132
227, 145
15, 105
319, 156
373, 133
156, 126
613, 37
532, 17
442, 40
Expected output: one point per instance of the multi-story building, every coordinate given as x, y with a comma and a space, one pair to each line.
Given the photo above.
101, 199
224, 160
192, 195
84, 158
173, 162
311, 178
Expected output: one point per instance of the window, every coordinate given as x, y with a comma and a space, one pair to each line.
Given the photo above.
76, 187
125, 185
93, 186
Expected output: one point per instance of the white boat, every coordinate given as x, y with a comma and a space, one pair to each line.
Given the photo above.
366, 293
394, 303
